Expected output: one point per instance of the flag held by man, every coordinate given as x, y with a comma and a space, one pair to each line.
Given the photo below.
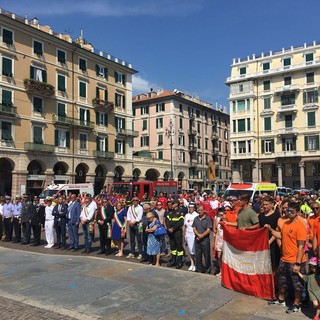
246, 262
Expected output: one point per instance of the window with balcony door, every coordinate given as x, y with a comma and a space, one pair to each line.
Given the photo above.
6, 131
160, 107
267, 124
288, 99
82, 64
160, 154
37, 135
181, 140
266, 85
102, 94
37, 104
7, 36
309, 58
288, 120
61, 83
267, 146
61, 56
38, 48
286, 63
84, 116
310, 77
120, 100
120, 123
288, 144
310, 96
62, 138
311, 143
101, 119
144, 141
83, 141
144, 125
82, 89
120, 78
38, 74
287, 81
101, 143
144, 110
241, 147
120, 146
267, 103
61, 109
241, 125
7, 69
101, 71
311, 118
159, 123
180, 123
160, 139
7, 98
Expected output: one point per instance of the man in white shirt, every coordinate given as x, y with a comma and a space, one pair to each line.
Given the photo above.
86, 218
134, 216
48, 226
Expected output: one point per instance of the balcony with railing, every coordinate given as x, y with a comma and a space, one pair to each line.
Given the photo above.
38, 87
291, 108
64, 120
288, 131
38, 147
214, 136
287, 88
8, 110
291, 153
192, 148
127, 132
102, 105
192, 132
103, 154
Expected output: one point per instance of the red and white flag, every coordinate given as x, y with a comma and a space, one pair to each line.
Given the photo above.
246, 262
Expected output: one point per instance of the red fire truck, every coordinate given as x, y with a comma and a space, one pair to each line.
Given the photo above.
145, 187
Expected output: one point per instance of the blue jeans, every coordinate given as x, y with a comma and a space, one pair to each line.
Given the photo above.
87, 237
73, 233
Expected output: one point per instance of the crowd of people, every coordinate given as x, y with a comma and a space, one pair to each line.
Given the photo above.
186, 228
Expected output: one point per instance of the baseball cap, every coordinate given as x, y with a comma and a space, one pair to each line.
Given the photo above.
313, 261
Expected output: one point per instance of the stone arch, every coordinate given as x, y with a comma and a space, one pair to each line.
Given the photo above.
136, 173
118, 173
35, 168
6, 168
60, 168
166, 176
81, 173
152, 174
99, 179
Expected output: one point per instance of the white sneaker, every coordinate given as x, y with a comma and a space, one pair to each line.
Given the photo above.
194, 269
130, 256
48, 246
139, 257
190, 268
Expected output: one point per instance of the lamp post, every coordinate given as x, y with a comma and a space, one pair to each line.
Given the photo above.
169, 134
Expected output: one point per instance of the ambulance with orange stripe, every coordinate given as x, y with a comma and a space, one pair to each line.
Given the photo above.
251, 188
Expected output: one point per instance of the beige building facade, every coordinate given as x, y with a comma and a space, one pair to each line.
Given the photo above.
275, 123
66, 110
188, 138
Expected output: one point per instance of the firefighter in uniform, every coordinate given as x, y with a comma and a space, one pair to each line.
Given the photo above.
174, 222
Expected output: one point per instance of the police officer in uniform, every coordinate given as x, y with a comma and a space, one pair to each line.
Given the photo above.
17, 209
26, 213
174, 222
37, 217
7, 218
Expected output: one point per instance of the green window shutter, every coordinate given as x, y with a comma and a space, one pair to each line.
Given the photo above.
105, 95
123, 101
82, 111
294, 143
37, 104
106, 143
7, 36
97, 92
267, 123
272, 145
44, 76
124, 147
116, 76
88, 115
82, 64
56, 137
68, 139
283, 144
97, 117
98, 143
309, 57
304, 97
287, 61
306, 143
105, 71
141, 141
241, 125
6, 98
317, 142
106, 119
37, 48
61, 83
311, 119
97, 69
61, 110
116, 146
262, 146
31, 72
248, 125
82, 89
316, 94
7, 67
123, 79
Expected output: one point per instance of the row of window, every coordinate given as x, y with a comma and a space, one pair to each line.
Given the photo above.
286, 63
61, 55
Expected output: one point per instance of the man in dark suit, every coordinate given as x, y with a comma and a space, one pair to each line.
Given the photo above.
60, 212
74, 210
36, 219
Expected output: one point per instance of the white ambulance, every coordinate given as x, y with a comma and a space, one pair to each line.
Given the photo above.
251, 188
66, 189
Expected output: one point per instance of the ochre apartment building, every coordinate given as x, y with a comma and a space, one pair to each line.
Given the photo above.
274, 108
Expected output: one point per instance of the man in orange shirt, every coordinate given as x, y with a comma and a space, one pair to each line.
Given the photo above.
293, 258
312, 220
232, 215
316, 229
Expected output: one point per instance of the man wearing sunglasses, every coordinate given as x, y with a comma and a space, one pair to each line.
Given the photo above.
293, 235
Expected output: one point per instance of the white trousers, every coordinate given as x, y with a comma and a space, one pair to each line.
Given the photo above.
48, 227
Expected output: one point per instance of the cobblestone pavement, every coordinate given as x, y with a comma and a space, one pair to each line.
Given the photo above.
14, 310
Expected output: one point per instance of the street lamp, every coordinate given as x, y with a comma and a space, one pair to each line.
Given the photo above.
169, 134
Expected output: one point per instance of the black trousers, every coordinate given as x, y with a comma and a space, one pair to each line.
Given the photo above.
26, 232
135, 234
17, 229
105, 243
1, 228
176, 246
8, 227
36, 229
202, 248
61, 233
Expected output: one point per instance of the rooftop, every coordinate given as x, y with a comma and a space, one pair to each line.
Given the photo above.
66, 37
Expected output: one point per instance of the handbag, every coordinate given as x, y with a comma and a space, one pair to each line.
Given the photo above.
160, 231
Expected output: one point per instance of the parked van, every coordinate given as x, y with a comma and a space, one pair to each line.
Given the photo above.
65, 189
284, 190
251, 188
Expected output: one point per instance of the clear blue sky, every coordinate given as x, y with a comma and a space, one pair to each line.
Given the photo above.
183, 44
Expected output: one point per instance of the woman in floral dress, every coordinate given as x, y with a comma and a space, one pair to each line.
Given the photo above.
153, 244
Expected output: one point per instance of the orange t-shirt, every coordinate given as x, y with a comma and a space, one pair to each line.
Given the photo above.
232, 216
316, 230
291, 233
312, 221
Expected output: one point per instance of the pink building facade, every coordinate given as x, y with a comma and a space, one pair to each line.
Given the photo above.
186, 132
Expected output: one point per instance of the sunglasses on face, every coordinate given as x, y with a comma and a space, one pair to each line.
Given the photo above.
315, 208
290, 211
